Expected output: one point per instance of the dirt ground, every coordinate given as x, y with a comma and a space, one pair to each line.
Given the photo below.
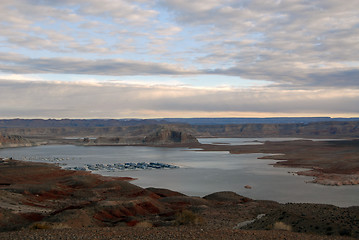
42, 201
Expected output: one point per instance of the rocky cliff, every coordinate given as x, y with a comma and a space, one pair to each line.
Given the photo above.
166, 136
345, 129
311, 130
13, 141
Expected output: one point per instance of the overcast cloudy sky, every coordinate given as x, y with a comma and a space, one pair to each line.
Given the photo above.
179, 58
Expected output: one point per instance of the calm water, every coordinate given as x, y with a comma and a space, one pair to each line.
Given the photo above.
252, 141
201, 173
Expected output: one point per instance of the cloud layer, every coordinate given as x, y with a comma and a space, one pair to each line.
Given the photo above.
111, 67
79, 100
289, 42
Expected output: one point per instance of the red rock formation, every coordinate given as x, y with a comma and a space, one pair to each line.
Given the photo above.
32, 192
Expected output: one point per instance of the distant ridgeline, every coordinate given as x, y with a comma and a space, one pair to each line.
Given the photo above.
46, 123
33, 123
135, 130
278, 120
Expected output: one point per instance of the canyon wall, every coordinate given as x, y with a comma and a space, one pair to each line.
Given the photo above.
337, 129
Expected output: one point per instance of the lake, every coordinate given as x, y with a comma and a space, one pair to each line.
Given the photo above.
200, 172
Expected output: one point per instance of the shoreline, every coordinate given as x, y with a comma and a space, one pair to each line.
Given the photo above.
331, 163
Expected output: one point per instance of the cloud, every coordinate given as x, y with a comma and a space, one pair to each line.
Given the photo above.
298, 43
294, 42
121, 10
68, 26
293, 77
112, 67
33, 99
131, 12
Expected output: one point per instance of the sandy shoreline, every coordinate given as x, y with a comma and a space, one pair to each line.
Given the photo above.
333, 163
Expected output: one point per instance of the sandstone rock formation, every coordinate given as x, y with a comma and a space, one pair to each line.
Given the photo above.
165, 136
343, 129
310, 130
13, 141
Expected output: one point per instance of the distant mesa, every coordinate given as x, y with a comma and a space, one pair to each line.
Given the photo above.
165, 136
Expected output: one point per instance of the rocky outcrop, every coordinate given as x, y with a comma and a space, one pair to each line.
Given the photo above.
227, 196
165, 136
38, 195
13, 141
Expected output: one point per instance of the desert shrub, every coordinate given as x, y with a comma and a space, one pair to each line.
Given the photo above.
186, 217
144, 224
345, 232
282, 226
40, 225
60, 226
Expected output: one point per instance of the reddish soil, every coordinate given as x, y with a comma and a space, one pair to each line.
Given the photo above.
62, 204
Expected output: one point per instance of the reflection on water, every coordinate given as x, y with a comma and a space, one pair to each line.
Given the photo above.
201, 173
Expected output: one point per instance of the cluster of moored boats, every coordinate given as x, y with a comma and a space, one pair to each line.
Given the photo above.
123, 166
48, 159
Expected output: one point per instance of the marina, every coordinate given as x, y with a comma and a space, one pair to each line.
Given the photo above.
123, 167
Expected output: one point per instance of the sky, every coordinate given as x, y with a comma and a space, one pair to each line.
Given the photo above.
179, 58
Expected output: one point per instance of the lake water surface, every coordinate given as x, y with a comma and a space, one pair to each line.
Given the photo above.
200, 172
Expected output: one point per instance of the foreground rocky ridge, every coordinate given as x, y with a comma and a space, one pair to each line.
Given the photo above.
43, 196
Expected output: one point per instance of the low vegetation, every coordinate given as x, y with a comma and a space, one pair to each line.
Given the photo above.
187, 217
